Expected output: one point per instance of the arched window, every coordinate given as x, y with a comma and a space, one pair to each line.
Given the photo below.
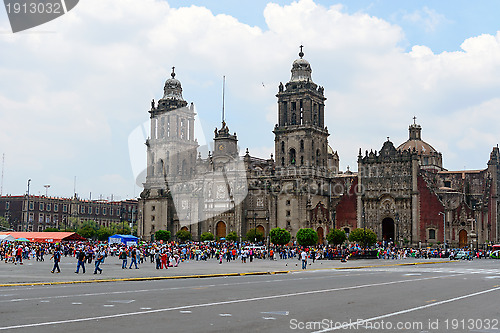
318, 156
301, 145
282, 161
283, 147
301, 160
292, 156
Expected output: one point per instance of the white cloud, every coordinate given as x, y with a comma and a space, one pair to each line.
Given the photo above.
427, 18
69, 99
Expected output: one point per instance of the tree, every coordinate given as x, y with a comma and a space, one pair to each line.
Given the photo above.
183, 235
86, 232
279, 236
163, 235
207, 236
307, 237
232, 236
366, 237
254, 235
4, 224
103, 233
336, 237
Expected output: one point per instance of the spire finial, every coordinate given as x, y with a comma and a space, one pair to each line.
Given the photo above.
173, 72
301, 54
414, 120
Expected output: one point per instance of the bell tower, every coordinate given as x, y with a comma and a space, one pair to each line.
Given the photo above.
172, 146
301, 138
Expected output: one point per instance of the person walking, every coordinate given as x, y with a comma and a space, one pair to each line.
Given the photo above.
80, 256
303, 256
19, 255
98, 260
57, 258
133, 259
123, 257
157, 259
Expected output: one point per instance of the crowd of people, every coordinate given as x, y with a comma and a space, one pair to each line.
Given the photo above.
165, 255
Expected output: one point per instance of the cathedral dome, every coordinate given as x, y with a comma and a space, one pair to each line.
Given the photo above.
301, 69
416, 143
428, 156
173, 88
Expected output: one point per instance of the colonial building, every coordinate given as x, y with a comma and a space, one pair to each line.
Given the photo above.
404, 194
36, 213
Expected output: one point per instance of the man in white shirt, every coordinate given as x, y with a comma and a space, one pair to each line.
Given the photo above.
303, 256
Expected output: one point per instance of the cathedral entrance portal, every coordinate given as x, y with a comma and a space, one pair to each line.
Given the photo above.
388, 229
462, 238
320, 235
262, 230
220, 229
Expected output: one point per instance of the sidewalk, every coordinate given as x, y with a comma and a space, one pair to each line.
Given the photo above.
39, 272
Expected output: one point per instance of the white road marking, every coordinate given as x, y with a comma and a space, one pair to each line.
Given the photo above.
279, 313
44, 301
108, 305
177, 288
186, 311
76, 303
236, 301
225, 314
145, 308
413, 274
410, 310
124, 301
268, 318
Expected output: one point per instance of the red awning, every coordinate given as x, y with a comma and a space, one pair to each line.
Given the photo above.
47, 237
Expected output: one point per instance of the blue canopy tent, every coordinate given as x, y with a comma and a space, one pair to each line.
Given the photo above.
123, 239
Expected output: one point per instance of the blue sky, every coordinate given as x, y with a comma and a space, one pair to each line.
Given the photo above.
75, 90
443, 27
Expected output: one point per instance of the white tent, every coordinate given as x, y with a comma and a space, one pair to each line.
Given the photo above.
8, 238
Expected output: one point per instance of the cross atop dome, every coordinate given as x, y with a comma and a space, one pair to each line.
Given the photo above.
173, 72
301, 53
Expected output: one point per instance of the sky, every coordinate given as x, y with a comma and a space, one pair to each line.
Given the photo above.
75, 92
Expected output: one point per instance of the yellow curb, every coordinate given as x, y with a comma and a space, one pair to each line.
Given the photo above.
198, 276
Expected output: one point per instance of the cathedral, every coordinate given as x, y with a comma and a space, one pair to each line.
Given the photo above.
402, 193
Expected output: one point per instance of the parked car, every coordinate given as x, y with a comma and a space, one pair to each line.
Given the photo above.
460, 255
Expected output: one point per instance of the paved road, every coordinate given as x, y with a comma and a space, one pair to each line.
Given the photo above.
456, 297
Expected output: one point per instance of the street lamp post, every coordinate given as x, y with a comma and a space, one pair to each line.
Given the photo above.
397, 227
255, 227
444, 228
27, 205
122, 212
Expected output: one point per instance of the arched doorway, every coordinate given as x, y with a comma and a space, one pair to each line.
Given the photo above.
320, 235
185, 229
388, 229
220, 229
261, 230
462, 238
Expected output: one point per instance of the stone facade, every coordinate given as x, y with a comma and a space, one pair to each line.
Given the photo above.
400, 193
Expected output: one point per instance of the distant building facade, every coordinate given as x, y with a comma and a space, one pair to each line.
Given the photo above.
36, 213
403, 194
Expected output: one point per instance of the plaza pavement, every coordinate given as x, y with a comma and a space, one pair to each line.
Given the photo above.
33, 272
